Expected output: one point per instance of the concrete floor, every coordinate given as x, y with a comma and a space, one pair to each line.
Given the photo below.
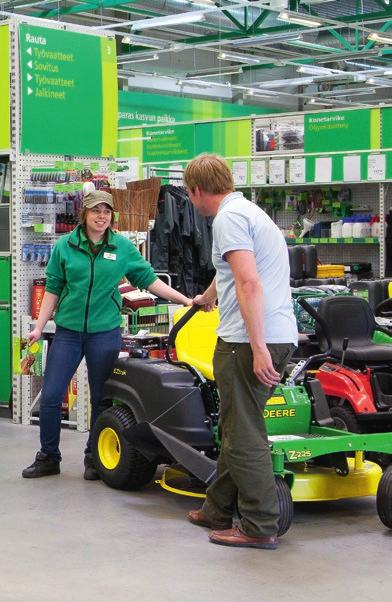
64, 539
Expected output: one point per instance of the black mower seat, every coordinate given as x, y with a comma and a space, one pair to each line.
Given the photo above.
351, 318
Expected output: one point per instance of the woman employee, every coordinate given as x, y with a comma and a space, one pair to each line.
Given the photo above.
82, 280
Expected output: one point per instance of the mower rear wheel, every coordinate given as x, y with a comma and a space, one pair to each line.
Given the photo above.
384, 498
345, 419
118, 464
286, 507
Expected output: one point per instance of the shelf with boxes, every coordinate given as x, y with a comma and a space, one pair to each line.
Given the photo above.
347, 223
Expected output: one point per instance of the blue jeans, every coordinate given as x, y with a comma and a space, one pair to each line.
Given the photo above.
101, 350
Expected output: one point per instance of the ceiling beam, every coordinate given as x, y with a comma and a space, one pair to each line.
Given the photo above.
231, 17
258, 21
385, 27
90, 6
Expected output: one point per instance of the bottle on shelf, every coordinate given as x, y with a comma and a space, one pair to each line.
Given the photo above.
336, 229
347, 227
375, 226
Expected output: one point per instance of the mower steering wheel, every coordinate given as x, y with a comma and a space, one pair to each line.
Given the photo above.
384, 309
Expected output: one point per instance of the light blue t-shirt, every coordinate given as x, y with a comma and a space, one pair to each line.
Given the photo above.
242, 225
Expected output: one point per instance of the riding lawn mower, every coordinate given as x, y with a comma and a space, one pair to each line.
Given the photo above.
167, 412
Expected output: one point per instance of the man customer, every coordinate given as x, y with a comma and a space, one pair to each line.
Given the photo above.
256, 337
82, 278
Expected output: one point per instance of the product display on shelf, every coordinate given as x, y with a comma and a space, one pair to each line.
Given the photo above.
47, 196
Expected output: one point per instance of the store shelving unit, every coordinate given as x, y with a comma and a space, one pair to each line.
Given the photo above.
372, 195
26, 389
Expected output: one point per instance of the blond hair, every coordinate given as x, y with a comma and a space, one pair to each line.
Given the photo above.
209, 173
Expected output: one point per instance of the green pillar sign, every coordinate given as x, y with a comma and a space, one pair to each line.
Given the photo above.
69, 92
5, 132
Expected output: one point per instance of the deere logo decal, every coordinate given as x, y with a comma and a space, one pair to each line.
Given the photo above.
286, 413
119, 371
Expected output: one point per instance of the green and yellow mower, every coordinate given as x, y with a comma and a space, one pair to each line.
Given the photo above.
167, 412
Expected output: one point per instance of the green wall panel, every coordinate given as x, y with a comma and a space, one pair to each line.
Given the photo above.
138, 108
386, 115
229, 139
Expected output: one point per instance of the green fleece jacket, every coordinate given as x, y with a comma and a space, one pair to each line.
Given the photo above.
87, 285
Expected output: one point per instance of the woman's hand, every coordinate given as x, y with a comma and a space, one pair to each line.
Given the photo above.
34, 335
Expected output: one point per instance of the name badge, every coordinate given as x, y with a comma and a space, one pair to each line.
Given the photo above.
111, 256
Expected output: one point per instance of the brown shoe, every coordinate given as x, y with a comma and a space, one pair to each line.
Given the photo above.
235, 537
197, 517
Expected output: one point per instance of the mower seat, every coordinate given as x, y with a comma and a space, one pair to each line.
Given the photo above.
351, 318
195, 342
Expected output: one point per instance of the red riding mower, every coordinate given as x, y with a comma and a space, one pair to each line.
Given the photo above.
355, 373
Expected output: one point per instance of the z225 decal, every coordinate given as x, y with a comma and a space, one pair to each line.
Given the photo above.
299, 454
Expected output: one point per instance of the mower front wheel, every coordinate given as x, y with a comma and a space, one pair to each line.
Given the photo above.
384, 498
286, 507
118, 464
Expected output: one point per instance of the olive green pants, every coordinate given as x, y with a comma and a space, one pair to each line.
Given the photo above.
244, 471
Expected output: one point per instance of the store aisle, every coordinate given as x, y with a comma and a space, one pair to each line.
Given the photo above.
64, 539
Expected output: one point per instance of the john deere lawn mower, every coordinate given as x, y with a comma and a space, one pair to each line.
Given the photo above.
167, 412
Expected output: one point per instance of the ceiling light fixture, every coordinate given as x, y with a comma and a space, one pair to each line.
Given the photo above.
380, 38
125, 59
342, 77
321, 47
179, 19
137, 40
299, 19
214, 72
266, 40
379, 81
286, 83
182, 83
347, 91
257, 94
239, 58
364, 65
196, 82
315, 70
319, 101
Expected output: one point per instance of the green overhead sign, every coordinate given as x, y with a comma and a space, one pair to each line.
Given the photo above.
5, 131
138, 108
69, 92
168, 143
342, 131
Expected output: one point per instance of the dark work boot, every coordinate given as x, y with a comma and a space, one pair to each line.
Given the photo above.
44, 466
90, 472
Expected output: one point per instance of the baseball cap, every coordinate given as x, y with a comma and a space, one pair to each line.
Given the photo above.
95, 198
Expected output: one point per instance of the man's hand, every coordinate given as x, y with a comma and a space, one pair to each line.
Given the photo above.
207, 302
264, 368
